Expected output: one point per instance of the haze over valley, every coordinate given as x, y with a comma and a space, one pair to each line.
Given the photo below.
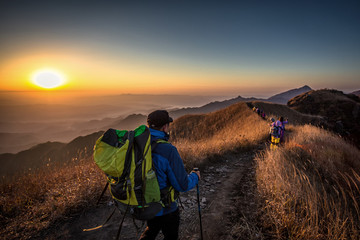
32, 118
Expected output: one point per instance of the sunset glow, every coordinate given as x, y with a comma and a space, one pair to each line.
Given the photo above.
222, 49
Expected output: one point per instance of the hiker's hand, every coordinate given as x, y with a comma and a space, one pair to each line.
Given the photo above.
197, 172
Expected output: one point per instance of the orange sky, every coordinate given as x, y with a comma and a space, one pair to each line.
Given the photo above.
98, 73
176, 49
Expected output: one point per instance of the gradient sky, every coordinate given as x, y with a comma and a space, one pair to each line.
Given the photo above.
248, 48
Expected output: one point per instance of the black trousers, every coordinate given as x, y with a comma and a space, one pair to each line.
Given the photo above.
168, 224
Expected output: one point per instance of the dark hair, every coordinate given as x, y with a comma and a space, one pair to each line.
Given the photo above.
281, 119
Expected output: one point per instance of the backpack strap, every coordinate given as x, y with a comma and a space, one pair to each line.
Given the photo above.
100, 226
155, 143
127, 164
122, 221
169, 195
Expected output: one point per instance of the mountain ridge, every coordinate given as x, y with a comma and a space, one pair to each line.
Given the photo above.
210, 107
341, 110
281, 98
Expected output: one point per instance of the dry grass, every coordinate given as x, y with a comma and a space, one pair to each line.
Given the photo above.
200, 137
30, 203
311, 187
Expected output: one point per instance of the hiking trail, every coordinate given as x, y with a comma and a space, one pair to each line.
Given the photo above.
228, 207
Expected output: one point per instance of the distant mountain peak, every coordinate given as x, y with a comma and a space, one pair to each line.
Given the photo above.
284, 97
306, 87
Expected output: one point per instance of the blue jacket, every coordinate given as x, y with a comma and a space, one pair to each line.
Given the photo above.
170, 170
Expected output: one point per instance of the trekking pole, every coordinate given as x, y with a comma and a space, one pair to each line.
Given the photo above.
199, 208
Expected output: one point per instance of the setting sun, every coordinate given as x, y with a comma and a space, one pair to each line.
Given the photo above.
48, 78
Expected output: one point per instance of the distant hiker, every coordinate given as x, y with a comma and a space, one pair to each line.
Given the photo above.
281, 124
274, 134
171, 174
263, 115
272, 124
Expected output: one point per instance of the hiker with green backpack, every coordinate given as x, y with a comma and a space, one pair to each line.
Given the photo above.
172, 178
145, 174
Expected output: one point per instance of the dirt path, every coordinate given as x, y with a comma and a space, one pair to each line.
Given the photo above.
229, 190
227, 195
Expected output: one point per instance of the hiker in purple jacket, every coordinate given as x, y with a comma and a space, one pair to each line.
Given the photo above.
281, 123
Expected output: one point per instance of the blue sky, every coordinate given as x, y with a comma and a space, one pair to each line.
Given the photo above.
245, 47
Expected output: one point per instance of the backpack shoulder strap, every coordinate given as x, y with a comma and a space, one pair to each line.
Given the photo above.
157, 142
127, 163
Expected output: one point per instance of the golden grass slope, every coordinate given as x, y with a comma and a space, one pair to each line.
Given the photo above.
311, 186
199, 137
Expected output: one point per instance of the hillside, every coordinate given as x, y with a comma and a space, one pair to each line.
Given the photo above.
310, 186
342, 111
49, 154
284, 97
206, 126
357, 93
224, 144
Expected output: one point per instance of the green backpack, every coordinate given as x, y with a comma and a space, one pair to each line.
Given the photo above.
125, 158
